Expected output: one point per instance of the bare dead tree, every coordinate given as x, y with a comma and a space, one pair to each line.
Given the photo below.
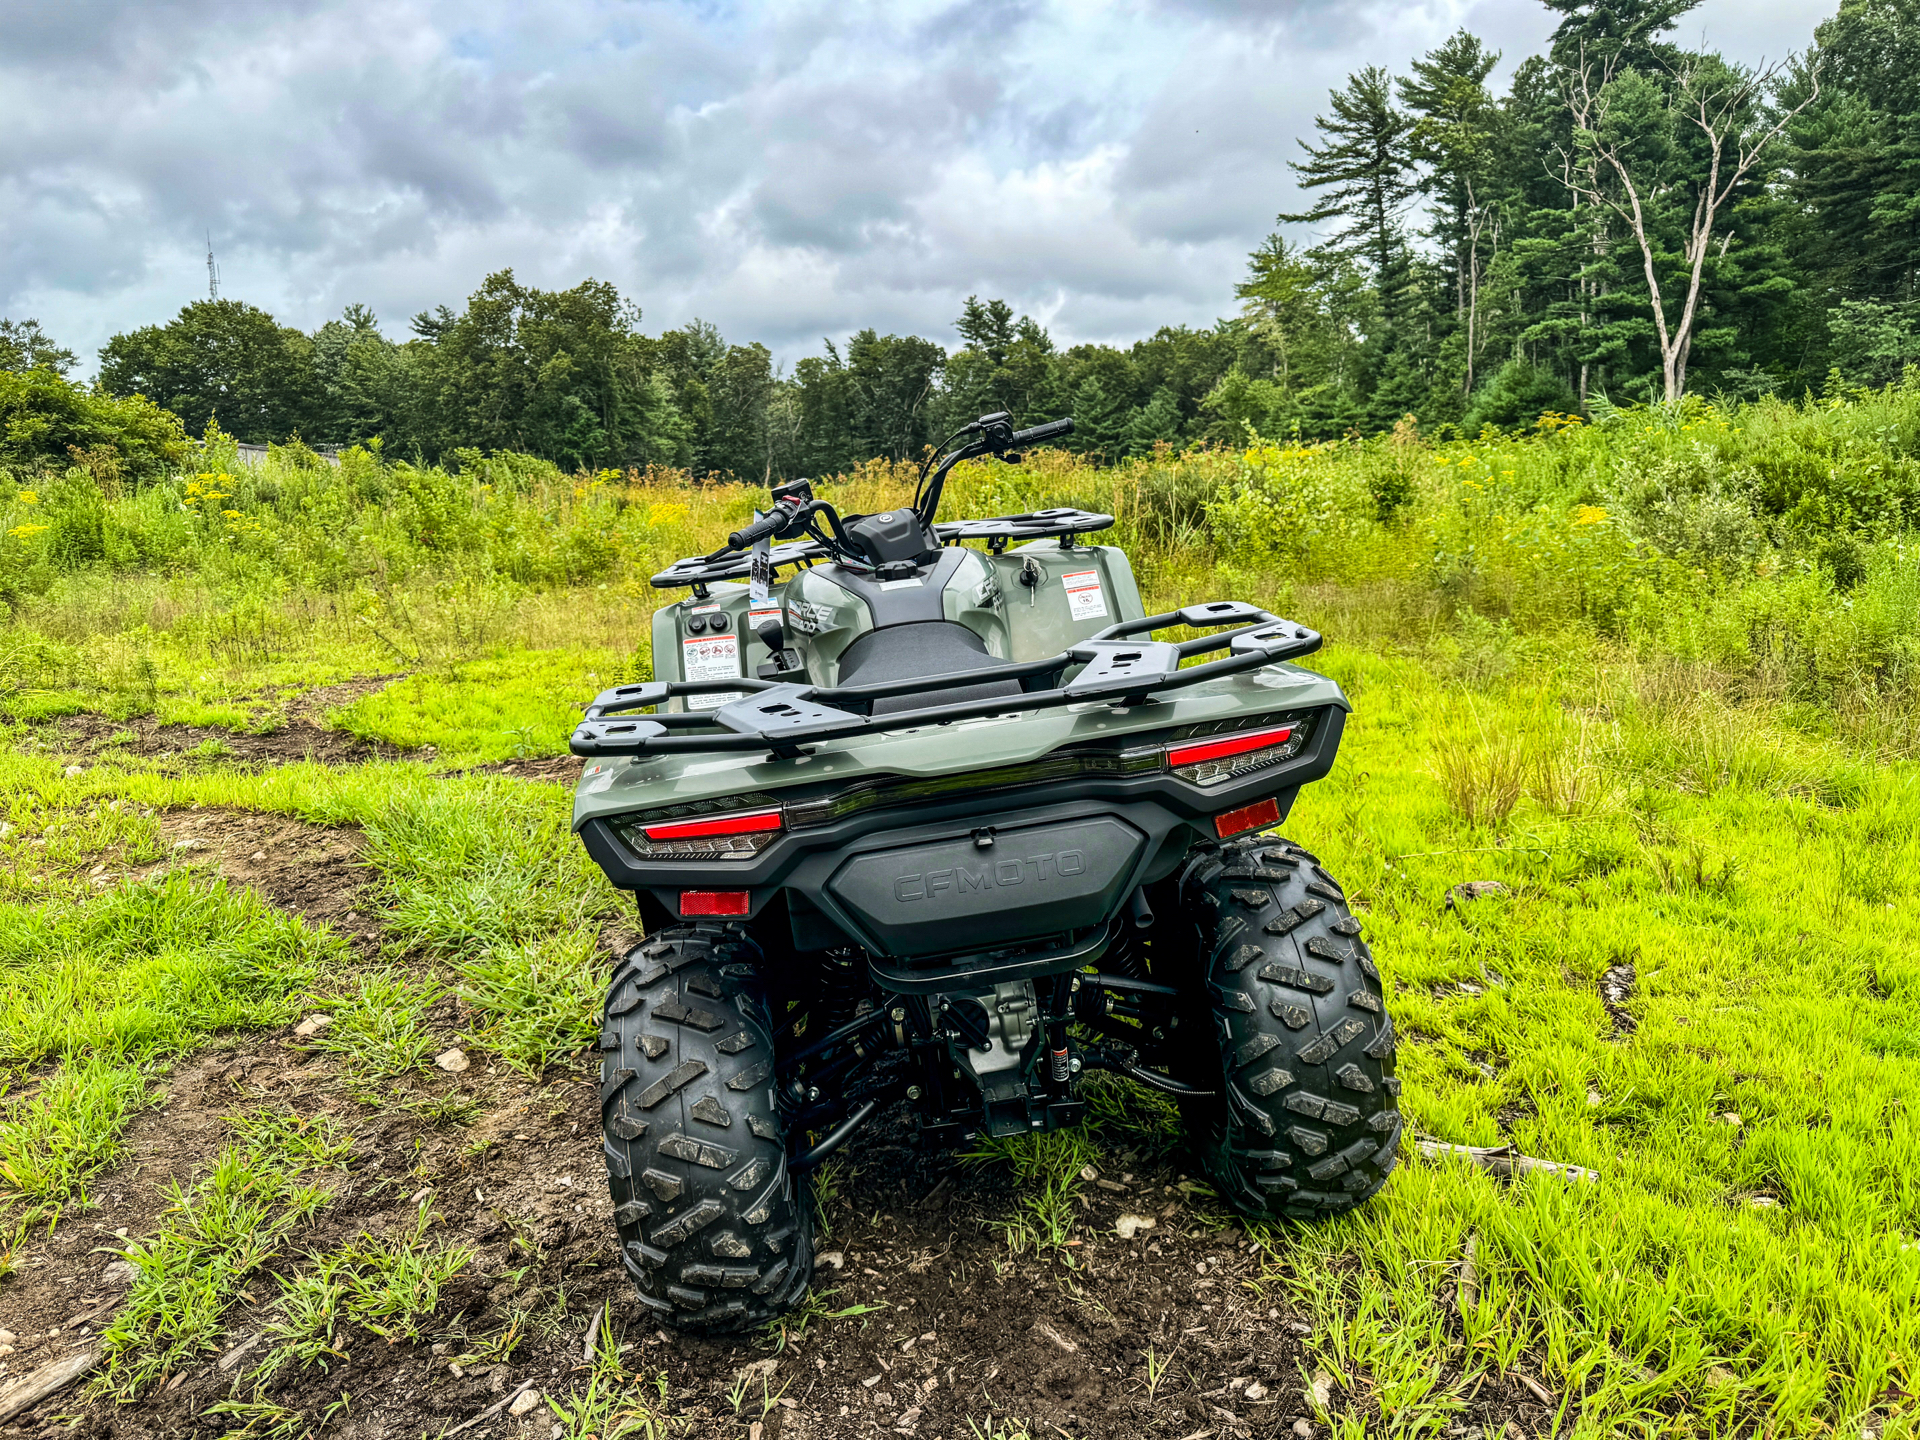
1602, 171
1481, 220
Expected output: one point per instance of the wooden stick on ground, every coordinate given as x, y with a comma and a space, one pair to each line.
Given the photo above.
1504, 1161
36, 1386
1465, 1292
494, 1410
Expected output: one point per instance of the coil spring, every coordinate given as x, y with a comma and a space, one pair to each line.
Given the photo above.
843, 986
1124, 955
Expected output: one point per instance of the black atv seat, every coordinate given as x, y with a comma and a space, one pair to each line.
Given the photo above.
932, 648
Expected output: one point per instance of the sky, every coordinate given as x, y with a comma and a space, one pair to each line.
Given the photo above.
788, 171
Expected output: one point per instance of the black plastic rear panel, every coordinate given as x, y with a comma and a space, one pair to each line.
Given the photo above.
847, 872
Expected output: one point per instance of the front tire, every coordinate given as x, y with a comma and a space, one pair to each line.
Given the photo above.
1303, 1122
714, 1230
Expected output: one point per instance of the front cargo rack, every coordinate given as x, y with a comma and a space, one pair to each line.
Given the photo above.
785, 718
701, 571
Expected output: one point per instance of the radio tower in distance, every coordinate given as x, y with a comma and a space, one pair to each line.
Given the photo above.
213, 271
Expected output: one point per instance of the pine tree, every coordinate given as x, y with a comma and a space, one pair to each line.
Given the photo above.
1362, 168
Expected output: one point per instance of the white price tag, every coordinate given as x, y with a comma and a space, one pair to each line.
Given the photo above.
1084, 599
760, 570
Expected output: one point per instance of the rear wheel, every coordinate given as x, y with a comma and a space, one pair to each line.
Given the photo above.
1300, 1050
714, 1230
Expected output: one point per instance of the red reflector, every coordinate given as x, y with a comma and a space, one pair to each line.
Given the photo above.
1230, 823
713, 903
1227, 746
739, 823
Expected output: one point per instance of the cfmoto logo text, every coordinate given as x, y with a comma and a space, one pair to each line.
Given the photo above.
963, 880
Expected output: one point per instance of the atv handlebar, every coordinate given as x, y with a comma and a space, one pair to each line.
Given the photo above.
772, 523
1034, 435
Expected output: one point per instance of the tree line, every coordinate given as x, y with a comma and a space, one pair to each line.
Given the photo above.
1625, 221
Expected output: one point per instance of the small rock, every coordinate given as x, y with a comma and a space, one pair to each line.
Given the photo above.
1300, 1328
1720, 1376
312, 1026
454, 1060
1303, 1427
1731, 1118
258, 856
1088, 1173
1129, 1226
440, 1348
1593, 1096
1514, 1433
116, 1273
73, 771
909, 1419
1323, 1389
7, 1338
1762, 1203
871, 1382
1466, 891
192, 843
1255, 1392
6, 829
524, 1402
835, 1259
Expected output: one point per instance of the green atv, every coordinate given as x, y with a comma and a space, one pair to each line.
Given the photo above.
940, 823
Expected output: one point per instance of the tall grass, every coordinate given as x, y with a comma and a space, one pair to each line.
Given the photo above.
1767, 551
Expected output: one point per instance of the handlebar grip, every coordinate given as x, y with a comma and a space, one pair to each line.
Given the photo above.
773, 522
1034, 435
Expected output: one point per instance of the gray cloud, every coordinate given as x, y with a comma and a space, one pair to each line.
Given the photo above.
789, 171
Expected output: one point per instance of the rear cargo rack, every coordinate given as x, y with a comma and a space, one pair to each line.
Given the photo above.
701, 571
785, 718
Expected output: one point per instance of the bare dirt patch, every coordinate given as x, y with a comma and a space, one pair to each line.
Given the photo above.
312, 871
1168, 1334
563, 770
100, 737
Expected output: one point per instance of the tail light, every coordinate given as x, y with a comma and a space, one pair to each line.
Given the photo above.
1218, 758
725, 835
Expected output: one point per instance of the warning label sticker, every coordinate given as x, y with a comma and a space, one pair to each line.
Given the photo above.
1084, 600
710, 657
760, 615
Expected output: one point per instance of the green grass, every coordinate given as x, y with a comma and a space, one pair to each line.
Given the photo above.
380, 1023
216, 1234
53, 1139
521, 703
1657, 677
1762, 885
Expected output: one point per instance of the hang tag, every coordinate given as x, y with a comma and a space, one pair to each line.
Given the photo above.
760, 569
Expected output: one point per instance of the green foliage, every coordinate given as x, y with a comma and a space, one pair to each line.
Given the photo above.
52, 1140
380, 1025
47, 420
148, 968
215, 1235
1517, 395
219, 360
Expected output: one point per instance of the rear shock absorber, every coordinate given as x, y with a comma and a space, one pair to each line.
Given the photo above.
843, 986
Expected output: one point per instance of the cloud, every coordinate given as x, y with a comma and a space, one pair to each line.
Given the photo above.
787, 170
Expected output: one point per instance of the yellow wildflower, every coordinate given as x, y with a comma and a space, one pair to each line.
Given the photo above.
21, 532
1589, 515
27, 497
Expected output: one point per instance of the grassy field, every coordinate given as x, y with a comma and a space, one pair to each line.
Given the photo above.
278, 747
